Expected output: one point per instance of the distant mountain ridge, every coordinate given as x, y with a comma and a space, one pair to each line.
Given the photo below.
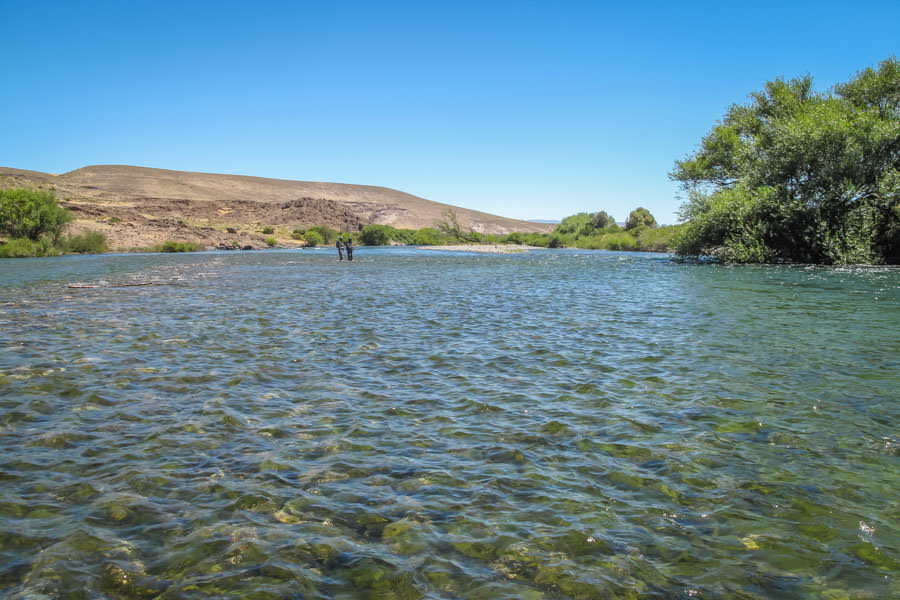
137, 206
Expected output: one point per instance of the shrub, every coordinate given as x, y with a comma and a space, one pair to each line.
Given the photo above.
536, 239
375, 235
92, 242
659, 239
427, 236
24, 248
32, 214
608, 241
313, 238
513, 238
617, 241
403, 236
171, 246
573, 224
268, 230
297, 234
329, 235
271, 242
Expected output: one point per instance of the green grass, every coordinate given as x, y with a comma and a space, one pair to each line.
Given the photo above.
25, 248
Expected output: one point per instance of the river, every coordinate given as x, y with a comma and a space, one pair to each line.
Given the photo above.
434, 424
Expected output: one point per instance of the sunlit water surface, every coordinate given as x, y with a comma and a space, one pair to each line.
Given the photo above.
430, 424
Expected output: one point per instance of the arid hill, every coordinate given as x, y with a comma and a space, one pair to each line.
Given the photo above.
138, 206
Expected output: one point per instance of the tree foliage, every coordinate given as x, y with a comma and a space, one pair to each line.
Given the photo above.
599, 231
602, 220
639, 217
32, 214
328, 235
573, 223
800, 176
375, 235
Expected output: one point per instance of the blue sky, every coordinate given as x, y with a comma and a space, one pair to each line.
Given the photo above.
525, 109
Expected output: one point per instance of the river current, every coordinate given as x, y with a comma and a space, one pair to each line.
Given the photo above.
434, 424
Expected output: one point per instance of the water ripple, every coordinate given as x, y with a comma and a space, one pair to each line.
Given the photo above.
556, 424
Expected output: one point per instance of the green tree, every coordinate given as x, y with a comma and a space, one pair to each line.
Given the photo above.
639, 217
602, 220
574, 224
375, 235
32, 214
798, 175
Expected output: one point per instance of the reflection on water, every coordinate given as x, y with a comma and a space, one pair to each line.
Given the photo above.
555, 424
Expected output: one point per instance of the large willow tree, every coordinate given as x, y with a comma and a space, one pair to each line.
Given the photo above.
800, 176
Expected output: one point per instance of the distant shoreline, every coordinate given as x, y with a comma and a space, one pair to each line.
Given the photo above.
484, 248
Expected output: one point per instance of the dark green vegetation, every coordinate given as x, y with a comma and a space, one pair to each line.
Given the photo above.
34, 222
801, 176
91, 242
32, 214
172, 246
383, 235
318, 235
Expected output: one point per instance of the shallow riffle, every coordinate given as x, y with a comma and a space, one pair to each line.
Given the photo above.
549, 424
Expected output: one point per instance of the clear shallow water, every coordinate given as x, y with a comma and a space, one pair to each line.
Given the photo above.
428, 424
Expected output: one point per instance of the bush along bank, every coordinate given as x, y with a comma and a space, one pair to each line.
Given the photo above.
593, 231
32, 223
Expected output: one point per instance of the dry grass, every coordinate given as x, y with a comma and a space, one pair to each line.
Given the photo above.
148, 206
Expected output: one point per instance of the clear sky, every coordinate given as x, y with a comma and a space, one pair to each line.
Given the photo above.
532, 110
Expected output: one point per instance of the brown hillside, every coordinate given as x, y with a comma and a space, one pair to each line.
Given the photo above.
138, 206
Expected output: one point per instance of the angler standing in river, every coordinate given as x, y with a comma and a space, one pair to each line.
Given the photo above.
340, 248
350, 248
